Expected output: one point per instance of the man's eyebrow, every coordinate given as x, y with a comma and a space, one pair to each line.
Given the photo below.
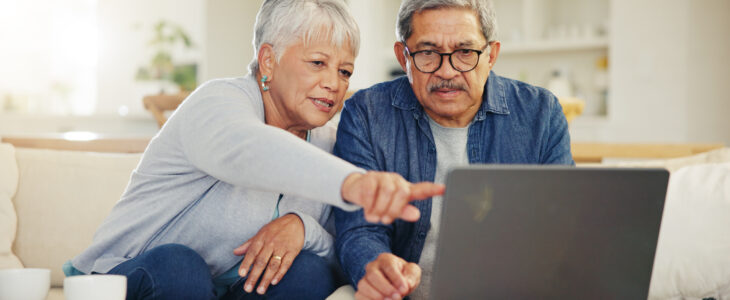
465, 44
426, 44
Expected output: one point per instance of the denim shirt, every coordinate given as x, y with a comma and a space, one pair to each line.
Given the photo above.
385, 128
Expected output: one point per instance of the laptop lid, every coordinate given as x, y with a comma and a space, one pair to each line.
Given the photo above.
548, 232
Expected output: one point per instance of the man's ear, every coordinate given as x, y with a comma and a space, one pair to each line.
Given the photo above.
399, 50
494, 53
267, 59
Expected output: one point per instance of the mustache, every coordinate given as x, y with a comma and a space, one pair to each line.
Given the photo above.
446, 84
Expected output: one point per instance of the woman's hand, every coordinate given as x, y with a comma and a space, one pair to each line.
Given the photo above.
384, 196
272, 249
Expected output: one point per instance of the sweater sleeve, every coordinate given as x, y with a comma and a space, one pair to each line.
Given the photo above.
314, 216
316, 239
222, 133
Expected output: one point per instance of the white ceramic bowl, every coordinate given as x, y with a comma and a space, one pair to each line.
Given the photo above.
25, 284
95, 287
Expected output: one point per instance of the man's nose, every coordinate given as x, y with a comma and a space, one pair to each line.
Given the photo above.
446, 71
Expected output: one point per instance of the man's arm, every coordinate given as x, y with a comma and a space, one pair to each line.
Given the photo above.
556, 148
364, 249
357, 242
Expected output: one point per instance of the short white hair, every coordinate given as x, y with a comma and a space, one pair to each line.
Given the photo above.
282, 23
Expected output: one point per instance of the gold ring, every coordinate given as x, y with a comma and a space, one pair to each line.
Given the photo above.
276, 257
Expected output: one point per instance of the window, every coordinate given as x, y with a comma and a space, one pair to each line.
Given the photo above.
48, 56
81, 57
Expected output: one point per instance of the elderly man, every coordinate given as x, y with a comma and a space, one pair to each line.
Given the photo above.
450, 110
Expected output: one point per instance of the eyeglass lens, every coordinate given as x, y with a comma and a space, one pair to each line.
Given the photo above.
461, 60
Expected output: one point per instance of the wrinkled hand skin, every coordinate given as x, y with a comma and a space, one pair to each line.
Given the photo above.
388, 277
385, 196
271, 252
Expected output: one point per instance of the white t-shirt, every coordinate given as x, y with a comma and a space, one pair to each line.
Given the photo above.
450, 152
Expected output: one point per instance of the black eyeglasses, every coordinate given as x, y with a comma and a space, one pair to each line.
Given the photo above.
429, 61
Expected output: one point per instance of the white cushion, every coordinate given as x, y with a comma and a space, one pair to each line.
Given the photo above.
345, 292
62, 198
693, 253
8, 219
674, 164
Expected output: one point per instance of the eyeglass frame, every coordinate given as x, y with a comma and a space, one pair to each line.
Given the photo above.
441, 58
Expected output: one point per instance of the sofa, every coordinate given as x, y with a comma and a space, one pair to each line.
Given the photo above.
52, 201
59, 198
693, 252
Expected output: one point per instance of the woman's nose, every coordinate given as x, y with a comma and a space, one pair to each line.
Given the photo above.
329, 81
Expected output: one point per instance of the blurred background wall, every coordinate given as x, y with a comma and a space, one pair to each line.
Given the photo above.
648, 71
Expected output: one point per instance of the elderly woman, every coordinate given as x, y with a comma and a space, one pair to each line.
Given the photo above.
242, 169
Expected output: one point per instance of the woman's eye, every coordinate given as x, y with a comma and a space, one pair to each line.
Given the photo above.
346, 73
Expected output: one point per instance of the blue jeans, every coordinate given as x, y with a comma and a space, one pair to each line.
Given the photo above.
309, 277
175, 271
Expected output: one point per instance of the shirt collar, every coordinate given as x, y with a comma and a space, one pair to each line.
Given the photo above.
493, 101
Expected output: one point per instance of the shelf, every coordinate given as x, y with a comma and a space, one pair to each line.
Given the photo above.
553, 46
82, 141
597, 152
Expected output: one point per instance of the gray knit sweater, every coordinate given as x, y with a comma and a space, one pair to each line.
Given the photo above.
211, 178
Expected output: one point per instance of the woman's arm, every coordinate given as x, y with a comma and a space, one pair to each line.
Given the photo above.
314, 216
222, 133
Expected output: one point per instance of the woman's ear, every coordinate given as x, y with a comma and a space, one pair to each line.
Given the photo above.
267, 60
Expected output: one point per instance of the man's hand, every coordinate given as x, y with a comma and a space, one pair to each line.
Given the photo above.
384, 196
275, 245
388, 276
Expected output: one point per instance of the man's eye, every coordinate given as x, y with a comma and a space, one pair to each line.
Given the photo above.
317, 62
428, 53
346, 73
464, 51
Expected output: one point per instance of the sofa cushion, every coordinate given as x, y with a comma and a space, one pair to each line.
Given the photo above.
62, 197
55, 294
693, 252
8, 219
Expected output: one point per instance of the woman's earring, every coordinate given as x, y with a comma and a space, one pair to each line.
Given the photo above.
263, 83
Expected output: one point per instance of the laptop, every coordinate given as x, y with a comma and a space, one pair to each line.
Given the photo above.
548, 232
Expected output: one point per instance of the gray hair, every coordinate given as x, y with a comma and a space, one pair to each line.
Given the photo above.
281, 23
483, 8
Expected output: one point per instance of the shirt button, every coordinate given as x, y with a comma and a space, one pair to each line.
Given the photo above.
422, 234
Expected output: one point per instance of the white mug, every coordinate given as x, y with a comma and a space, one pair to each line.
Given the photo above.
27, 284
95, 287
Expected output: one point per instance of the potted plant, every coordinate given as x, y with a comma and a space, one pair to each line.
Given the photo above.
161, 66
165, 70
